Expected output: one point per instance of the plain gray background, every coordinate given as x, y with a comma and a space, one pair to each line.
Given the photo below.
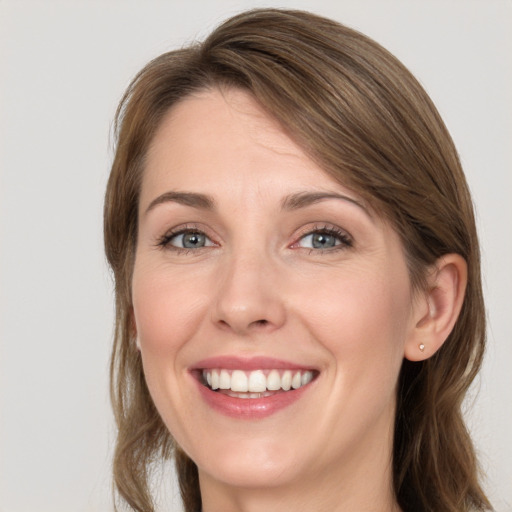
64, 66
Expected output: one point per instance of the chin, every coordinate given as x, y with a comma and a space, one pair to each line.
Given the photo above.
248, 459
254, 469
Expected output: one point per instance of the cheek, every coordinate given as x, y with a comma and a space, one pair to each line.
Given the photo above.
167, 310
363, 326
362, 320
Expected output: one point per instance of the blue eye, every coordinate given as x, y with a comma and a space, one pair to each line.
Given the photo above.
189, 239
318, 241
325, 239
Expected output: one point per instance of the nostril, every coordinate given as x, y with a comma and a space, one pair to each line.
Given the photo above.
261, 323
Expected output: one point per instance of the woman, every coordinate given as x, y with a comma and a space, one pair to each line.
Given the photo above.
299, 306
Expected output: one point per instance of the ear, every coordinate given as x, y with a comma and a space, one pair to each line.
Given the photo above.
436, 310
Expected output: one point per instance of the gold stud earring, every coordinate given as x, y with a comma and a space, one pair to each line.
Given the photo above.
422, 347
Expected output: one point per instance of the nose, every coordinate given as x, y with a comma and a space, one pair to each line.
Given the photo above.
250, 298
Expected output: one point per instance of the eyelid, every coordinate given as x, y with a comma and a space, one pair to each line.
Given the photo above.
180, 235
343, 235
163, 241
345, 238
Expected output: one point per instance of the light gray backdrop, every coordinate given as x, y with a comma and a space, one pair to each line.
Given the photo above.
63, 68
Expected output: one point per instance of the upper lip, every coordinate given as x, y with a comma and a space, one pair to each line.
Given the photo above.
248, 363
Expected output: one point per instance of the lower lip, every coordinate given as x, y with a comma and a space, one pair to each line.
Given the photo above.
250, 408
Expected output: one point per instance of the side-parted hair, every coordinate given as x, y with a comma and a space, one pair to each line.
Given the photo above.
363, 118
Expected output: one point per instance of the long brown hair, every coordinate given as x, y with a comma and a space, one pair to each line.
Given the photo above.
359, 113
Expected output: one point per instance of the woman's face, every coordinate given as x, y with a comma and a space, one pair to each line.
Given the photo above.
257, 272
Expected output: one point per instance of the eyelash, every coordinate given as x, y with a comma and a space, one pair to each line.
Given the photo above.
342, 236
164, 242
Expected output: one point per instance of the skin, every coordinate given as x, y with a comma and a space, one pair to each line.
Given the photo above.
259, 288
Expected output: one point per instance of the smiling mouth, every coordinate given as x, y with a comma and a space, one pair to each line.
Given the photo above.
256, 383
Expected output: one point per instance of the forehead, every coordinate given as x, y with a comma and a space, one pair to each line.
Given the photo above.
234, 110
222, 139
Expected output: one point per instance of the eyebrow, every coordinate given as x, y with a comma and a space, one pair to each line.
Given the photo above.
193, 199
291, 202
303, 199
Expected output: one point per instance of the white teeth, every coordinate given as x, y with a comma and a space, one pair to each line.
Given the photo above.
296, 381
257, 383
286, 380
306, 378
215, 380
224, 380
239, 381
273, 380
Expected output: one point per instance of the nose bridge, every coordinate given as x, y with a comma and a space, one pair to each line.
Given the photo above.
248, 297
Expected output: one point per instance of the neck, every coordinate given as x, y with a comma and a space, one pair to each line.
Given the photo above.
255, 500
